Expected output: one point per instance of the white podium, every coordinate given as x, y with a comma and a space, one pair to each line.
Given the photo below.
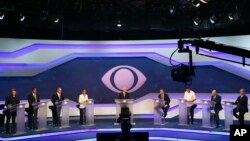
124, 103
20, 123
41, 115
206, 113
183, 113
64, 107
90, 112
228, 108
158, 103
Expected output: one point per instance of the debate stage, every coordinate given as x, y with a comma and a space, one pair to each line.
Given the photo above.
169, 132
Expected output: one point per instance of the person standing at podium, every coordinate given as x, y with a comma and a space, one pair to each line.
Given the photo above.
242, 106
124, 94
82, 101
11, 102
165, 106
56, 112
33, 98
216, 107
190, 97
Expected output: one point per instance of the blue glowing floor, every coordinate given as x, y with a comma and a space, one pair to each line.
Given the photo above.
168, 132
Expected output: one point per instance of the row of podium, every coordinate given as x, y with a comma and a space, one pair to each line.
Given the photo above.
206, 113
158, 120
42, 115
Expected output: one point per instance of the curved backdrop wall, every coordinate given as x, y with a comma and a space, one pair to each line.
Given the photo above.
89, 73
105, 67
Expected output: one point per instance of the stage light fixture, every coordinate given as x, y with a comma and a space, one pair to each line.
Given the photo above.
196, 3
1, 15
204, 1
197, 21
56, 20
22, 17
233, 16
212, 19
172, 10
230, 16
119, 24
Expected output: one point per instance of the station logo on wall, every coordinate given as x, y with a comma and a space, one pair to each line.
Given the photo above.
123, 76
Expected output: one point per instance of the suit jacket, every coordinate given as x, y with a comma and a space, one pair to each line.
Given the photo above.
31, 99
10, 100
55, 98
242, 103
217, 101
166, 98
120, 96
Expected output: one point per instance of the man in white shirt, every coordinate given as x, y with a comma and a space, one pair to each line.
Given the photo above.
190, 97
82, 106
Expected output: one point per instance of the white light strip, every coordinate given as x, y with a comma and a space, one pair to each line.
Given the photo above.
113, 129
152, 138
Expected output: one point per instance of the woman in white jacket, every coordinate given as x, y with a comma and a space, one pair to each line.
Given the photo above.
83, 97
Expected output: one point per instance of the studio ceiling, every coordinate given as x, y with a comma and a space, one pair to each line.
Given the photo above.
123, 19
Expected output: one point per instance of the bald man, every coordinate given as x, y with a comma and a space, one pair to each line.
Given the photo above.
216, 105
242, 106
124, 94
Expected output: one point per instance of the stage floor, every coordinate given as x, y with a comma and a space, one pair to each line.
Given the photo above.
170, 131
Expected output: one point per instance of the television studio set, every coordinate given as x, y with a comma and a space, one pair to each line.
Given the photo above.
124, 70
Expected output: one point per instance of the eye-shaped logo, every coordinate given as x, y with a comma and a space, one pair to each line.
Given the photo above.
121, 77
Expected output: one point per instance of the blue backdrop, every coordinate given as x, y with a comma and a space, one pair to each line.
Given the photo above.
81, 73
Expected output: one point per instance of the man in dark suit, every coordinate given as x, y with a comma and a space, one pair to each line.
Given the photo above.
242, 106
216, 107
11, 102
124, 94
33, 98
56, 112
166, 101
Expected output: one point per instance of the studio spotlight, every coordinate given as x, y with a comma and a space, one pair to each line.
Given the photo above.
56, 20
196, 3
171, 10
233, 16
204, 1
197, 21
22, 17
212, 19
1, 15
230, 16
119, 24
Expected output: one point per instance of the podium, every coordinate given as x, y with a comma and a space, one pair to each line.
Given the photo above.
206, 113
183, 113
228, 108
64, 107
158, 111
20, 123
124, 103
90, 112
41, 120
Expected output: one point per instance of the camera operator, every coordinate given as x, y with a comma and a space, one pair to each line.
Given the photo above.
124, 120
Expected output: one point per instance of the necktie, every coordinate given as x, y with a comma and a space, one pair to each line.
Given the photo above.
124, 95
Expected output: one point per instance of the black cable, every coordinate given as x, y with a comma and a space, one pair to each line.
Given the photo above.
170, 59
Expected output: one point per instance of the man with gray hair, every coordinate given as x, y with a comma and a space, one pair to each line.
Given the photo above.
216, 107
242, 106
